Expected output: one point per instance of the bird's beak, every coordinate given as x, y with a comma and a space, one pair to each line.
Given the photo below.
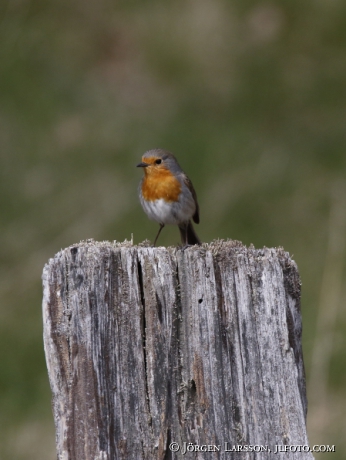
142, 165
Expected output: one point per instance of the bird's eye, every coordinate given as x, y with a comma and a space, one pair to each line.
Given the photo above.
158, 162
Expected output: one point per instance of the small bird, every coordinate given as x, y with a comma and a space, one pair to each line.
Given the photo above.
167, 194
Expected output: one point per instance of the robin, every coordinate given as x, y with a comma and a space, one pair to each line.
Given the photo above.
167, 194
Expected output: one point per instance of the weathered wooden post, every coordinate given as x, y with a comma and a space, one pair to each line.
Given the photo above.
157, 353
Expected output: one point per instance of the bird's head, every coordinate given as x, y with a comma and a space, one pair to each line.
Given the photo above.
158, 161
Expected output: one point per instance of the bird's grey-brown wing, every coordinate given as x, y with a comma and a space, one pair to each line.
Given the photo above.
188, 183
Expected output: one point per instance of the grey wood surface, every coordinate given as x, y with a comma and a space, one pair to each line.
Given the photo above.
152, 349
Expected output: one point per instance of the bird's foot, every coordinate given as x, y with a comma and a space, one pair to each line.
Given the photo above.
186, 246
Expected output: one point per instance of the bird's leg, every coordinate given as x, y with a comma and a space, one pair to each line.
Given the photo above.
158, 233
184, 238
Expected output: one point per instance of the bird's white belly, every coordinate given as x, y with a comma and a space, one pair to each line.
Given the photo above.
169, 213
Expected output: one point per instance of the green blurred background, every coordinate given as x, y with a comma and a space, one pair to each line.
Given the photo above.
250, 96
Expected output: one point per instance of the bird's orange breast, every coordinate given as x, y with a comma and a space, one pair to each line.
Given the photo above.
160, 184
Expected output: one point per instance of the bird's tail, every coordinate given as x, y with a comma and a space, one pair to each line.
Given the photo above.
188, 234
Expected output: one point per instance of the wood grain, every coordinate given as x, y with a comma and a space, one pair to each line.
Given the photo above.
149, 346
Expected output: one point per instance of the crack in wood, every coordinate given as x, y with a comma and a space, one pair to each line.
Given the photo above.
144, 334
179, 379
